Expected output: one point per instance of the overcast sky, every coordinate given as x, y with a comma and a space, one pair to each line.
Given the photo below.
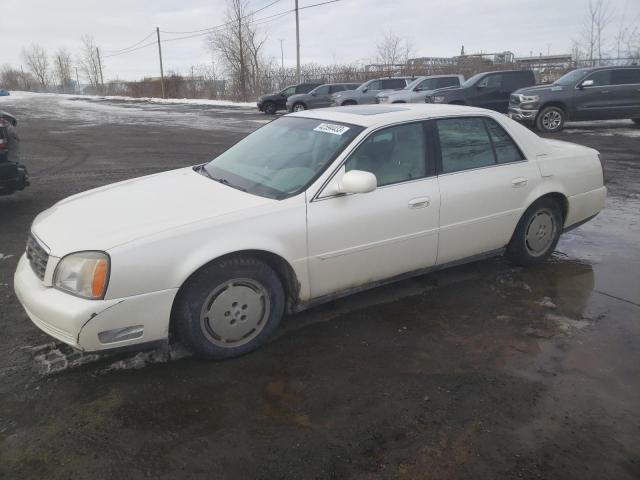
345, 31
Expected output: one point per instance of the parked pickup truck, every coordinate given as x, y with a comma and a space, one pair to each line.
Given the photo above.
600, 93
486, 90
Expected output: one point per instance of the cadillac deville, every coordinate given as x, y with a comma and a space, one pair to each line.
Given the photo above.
312, 206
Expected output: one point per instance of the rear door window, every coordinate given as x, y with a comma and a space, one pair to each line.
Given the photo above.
625, 76
336, 88
505, 148
393, 83
447, 82
464, 144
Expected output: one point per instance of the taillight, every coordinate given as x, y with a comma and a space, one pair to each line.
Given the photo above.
3, 144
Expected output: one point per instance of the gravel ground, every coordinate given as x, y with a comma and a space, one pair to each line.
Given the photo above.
482, 371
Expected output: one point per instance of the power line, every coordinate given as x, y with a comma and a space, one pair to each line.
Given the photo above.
259, 21
223, 24
132, 50
130, 46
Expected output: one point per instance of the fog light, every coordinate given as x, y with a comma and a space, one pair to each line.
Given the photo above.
120, 334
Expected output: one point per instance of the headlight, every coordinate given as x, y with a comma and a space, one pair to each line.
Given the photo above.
383, 99
85, 274
438, 98
529, 98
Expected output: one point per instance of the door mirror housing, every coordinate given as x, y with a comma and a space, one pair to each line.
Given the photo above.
365, 89
358, 181
586, 83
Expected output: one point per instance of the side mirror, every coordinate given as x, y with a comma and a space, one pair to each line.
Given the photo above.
586, 83
357, 181
313, 94
481, 85
365, 89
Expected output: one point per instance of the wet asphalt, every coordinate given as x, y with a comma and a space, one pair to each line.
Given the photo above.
483, 371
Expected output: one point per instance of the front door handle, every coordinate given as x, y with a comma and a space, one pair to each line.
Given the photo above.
420, 202
519, 182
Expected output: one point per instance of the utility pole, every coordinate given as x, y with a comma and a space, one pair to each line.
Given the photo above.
100, 67
160, 56
297, 45
77, 80
281, 55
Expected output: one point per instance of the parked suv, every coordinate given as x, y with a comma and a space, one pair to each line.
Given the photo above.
13, 176
367, 92
600, 93
319, 97
271, 103
418, 90
487, 90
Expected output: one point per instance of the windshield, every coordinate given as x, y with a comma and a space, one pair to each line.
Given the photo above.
570, 78
414, 83
283, 157
473, 80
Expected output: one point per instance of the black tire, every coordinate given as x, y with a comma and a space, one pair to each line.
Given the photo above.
298, 107
550, 119
636, 121
269, 108
346, 103
199, 294
521, 249
399, 101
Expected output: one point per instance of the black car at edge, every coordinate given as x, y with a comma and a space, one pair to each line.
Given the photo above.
273, 102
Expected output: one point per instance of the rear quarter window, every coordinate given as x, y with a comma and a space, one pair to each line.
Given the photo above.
447, 82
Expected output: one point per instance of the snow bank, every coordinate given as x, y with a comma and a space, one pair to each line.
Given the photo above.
192, 101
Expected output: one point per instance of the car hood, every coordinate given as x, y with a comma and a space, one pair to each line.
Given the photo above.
540, 89
444, 90
112, 215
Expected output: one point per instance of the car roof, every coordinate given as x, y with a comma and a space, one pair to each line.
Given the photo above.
379, 115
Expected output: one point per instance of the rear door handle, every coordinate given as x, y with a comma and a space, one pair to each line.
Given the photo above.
420, 202
519, 182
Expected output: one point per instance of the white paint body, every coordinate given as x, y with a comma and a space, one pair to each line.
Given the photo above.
160, 229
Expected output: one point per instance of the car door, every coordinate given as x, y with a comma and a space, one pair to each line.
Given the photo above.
358, 239
625, 91
484, 181
420, 91
281, 101
594, 101
332, 89
370, 95
489, 93
318, 97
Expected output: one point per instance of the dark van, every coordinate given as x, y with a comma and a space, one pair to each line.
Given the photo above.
486, 90
599, 93
273, 102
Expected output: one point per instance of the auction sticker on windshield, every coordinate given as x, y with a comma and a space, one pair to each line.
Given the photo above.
331, 128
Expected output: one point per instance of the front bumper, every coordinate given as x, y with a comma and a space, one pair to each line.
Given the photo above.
259, 104
521, 115
83, 323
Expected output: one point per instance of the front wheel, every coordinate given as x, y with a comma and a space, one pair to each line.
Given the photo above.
299, 107
537, 233
229, 308
636, 121
270, 108
550, 120
348, 103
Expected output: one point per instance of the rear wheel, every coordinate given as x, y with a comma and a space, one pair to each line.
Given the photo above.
269, 108
299, 107
550, 120
537, 233
229, 308
636, 121
348, 102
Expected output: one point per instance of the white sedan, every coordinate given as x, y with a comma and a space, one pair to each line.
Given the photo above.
310, 207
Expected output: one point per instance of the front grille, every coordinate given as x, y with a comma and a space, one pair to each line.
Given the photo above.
37, 257
514, 99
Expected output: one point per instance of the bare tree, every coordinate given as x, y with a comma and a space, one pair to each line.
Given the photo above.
392, 50
62, 69
88, 60
239, 46
597, 18
37, 60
